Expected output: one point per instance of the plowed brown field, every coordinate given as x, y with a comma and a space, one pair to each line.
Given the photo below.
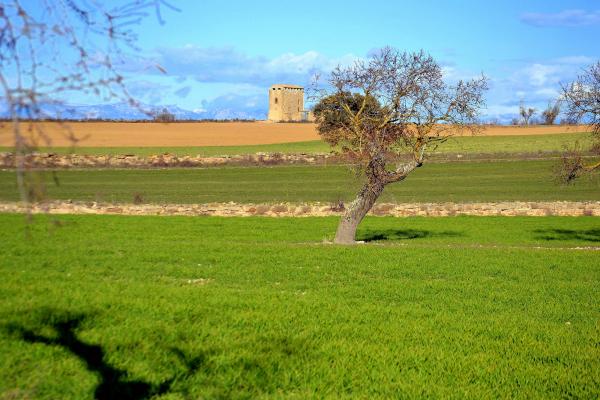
151, 134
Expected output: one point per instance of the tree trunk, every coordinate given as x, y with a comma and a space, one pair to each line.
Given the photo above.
346, 231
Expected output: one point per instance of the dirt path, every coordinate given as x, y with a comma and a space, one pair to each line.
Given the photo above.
149, 134
516, 208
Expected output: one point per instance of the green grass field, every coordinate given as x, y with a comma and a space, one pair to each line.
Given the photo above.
185, 308
514, 144
441, 182
469, 145
464, 307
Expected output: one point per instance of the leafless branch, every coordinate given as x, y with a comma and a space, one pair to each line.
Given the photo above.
50, 50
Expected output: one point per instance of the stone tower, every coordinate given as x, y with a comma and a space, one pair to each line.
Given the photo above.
286, 103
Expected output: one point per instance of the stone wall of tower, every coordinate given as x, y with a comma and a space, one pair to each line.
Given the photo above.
286, 103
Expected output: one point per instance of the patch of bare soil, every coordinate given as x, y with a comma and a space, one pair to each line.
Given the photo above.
155, 134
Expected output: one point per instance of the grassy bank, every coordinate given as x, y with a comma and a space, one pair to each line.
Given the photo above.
452, 182
470, 144
452, 308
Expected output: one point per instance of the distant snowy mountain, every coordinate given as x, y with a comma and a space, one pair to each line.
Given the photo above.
126, 112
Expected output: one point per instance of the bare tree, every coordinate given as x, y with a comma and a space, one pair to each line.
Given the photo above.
395, 105
526, 113
164, 116
570, 165
50, 50
551, 112
582, 100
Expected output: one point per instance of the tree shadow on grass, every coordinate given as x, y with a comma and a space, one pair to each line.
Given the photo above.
583, 235
113, 381
404, 234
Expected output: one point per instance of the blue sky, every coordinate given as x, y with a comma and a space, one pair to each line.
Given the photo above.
224, 54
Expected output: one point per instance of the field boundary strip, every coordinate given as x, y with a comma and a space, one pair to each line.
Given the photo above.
51, 161
514, 208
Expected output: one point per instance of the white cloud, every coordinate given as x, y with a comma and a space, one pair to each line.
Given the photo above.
227, 65
536, 84
580, 60
551, 73
541, 74
547, 92
452, 74
568, 18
